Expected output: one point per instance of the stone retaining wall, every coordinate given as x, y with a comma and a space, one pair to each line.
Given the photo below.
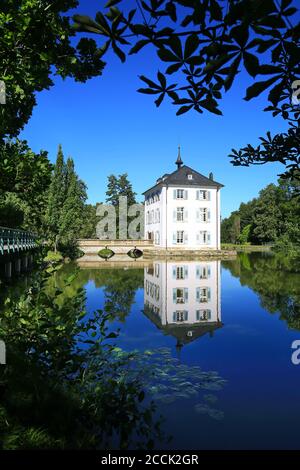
150, 252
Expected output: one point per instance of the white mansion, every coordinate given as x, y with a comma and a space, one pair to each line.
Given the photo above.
183, 210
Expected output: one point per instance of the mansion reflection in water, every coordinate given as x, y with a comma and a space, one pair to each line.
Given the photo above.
183, 298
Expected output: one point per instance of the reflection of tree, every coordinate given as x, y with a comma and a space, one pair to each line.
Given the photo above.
64, 385
120, 290
275, 278
119, 286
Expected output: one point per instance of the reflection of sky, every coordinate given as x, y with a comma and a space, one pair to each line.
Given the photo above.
252, 352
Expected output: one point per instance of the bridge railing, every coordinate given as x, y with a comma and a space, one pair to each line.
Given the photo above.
14, 240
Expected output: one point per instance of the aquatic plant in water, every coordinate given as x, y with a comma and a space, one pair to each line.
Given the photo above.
166, 379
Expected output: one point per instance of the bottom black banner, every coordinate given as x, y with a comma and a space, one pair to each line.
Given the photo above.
134, 459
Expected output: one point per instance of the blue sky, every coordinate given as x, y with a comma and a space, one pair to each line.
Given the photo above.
107, 127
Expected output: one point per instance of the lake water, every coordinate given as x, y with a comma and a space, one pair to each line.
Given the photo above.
235, 320
214, 341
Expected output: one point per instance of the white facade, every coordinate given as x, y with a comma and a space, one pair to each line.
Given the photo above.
184, 293
185, 215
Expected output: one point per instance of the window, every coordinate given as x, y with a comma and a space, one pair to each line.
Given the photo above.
180, 236
203, 215
180, 214
203, 237
203, 195
156, 269
203, 294
203, 315
157, 216
157, 293
180, 316
157, 238
203, 272
190, 177
180, 194
180, 295
180, 272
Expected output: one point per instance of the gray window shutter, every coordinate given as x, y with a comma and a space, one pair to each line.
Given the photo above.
198, 272
186, 294
198, 215
208, 195
174, 238
186, 215
186, 272
197, 195
174, 216
208, 314
198, 238
208, 271
174, 316
186, 315
174, 193
208, 293
197, 315
174, 272
185, 237
185, 194
208, 215
208, 238
198, 294
174, 295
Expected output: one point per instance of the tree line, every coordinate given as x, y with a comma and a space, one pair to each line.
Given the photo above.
272, 217
50, 199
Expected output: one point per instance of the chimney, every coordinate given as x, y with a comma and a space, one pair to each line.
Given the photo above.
211, 176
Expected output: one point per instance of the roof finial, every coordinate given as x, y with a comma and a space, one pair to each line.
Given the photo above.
179, 162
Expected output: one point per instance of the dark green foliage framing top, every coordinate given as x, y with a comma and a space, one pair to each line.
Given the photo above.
37, 42
205, 44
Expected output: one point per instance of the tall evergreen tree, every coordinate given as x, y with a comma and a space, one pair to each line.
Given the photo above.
66, 199
56, 198
125, 189
72, 213
119, 186
112, 192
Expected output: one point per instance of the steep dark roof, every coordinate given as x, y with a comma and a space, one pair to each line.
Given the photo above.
180, 178
180, 331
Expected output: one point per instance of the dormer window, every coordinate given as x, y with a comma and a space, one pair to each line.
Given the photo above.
190, 176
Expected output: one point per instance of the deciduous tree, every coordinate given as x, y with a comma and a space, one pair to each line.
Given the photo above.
203, 46
38, 42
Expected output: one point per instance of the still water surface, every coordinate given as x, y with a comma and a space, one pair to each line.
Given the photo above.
236, 320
